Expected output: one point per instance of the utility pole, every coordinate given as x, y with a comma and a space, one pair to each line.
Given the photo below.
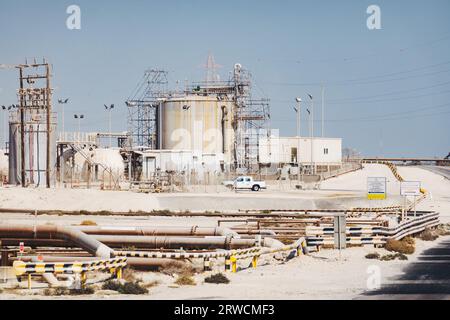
49, 125
22, 131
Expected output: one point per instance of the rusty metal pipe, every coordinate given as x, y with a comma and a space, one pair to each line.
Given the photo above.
156, 242
77, 237
159, 231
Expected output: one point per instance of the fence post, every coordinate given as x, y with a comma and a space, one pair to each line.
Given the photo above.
233, 261
254, 262
227, 263
206, 264
29, 281
83, 280
340, 235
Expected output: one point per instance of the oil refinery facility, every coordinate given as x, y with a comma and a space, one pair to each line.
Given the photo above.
204, 133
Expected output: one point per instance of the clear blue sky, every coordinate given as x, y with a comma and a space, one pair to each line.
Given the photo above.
387, 91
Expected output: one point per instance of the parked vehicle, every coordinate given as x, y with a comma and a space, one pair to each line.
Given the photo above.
245, 183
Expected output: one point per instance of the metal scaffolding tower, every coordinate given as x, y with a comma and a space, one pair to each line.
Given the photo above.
251, 121
143, 106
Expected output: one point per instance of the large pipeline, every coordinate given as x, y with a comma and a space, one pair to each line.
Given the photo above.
71, 235
97, 244
157, 242
159, 231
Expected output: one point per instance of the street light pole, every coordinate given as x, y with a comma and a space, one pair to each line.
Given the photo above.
109, 109
79, 117
323, 111
312, 133
299, 100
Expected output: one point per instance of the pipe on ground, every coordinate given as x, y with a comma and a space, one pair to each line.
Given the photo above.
159, 231
77, 237
157, 242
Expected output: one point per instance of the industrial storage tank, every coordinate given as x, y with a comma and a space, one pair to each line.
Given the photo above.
202, 124
104, 162
3, 166
35, 148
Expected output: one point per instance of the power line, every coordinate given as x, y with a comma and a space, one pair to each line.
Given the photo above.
389, 116
353, 81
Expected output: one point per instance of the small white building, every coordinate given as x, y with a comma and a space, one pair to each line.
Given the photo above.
283, 150
187, 161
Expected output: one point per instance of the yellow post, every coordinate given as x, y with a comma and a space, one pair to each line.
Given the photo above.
233, 261
119, 273
29, 281
255, 262
83, 279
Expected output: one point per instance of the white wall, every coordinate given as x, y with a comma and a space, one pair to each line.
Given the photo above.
186, 160
278, 149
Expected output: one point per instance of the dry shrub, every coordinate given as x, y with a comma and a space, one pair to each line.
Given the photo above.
405, 246
217, 278
129, 275
185, 280
88, 223
443, 230
124, 288
428, 235
374, 255
66, 291
150, 284
177, 267
389, 257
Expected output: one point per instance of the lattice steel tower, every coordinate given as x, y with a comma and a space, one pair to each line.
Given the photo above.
143, 106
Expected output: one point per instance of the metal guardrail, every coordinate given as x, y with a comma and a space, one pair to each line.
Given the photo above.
231, 256
28, 269
376, 235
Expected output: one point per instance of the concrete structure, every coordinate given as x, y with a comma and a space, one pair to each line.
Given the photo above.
283, 150
180, 161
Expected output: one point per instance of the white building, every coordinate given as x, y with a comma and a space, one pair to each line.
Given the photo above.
283, 150
186, 161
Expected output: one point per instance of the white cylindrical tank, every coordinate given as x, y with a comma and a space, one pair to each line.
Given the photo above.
102, 159
35, 148
202, 124
3, 165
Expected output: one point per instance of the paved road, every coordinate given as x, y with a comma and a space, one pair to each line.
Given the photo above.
426, 278
443, 171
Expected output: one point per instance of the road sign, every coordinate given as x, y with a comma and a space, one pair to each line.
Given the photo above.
410, 188
376, 188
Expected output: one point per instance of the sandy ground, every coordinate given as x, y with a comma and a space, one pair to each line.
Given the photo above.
346, 191
327, 274
323, 275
